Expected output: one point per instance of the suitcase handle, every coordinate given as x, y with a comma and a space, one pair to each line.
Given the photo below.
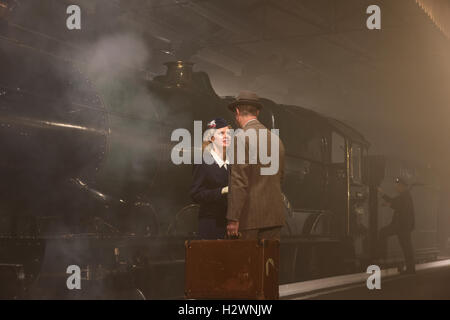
238, 236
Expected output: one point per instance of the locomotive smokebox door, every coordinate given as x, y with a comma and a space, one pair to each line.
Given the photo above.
232, 269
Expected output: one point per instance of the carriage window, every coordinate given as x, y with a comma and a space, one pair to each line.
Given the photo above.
356, 168
337, 148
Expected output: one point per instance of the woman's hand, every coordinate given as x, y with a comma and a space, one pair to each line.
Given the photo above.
224, 190
232, 228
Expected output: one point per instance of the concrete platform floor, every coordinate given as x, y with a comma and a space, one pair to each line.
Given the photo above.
431, 282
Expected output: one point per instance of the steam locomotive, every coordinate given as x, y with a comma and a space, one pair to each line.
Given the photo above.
87, 180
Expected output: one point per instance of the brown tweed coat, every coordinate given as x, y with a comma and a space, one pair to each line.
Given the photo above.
255, 200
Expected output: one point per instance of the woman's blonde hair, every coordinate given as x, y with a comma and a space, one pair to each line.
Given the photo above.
206, 144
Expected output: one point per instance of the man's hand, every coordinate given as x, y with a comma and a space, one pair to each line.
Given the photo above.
232, 228
224, 190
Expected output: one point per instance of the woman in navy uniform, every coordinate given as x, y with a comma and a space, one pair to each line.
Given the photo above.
210, 181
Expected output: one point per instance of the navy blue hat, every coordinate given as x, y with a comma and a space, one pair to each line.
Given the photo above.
217, 123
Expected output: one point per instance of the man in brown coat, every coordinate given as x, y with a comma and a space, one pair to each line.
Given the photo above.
255, 203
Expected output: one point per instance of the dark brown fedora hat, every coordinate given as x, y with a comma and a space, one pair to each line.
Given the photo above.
246, 97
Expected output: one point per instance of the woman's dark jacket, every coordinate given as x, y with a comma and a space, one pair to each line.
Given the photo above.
208, 181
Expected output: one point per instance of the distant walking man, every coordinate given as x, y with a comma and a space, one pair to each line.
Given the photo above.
255, 204
402, 223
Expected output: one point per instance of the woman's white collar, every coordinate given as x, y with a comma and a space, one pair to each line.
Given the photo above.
219, 160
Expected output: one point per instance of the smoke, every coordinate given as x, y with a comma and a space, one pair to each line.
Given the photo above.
117, 56
139, 123
128, 123
116, 66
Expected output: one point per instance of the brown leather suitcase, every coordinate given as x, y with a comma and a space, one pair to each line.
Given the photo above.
232, 269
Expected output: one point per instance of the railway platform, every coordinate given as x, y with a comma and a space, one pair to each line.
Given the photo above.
430, 282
